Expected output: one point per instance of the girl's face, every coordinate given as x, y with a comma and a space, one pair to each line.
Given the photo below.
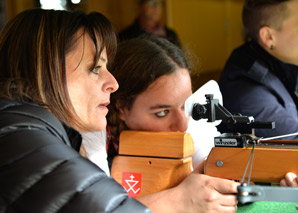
161, 106
89, 87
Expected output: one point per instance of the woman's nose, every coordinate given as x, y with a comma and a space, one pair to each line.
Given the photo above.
111, 84
180, 122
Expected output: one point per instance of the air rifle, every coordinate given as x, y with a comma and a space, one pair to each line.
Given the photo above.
232, 153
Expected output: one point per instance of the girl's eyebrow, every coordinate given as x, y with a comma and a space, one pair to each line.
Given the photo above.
102, 59
160, 106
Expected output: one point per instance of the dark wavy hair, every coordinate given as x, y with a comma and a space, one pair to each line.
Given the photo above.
138, 63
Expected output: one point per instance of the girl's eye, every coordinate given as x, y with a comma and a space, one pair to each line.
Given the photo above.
162, 114
95, 70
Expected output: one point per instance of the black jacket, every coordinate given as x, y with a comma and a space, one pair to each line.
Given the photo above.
254, 83
40, 171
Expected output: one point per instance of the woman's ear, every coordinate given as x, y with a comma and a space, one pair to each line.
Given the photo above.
266, 37
121, 110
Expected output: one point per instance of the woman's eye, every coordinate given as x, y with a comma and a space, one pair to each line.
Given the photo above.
95, 70
162, 114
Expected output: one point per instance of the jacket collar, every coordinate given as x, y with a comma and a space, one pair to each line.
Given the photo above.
74, 136
287, 73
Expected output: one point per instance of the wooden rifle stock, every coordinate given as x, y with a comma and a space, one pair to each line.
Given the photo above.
149, 162
270, 163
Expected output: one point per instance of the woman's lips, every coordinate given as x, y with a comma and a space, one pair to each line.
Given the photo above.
104, 105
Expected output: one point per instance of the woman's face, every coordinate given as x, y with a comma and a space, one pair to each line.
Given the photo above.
161, 106
89, 87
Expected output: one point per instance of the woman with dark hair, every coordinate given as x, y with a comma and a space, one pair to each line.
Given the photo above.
154, 83
140, 63
143, 61
54, 79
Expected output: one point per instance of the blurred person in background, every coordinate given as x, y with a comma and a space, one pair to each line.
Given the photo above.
148, 21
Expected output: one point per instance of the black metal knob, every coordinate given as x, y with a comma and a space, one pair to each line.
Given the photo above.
198, 111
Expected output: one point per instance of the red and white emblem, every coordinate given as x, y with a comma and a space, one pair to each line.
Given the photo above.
132, 183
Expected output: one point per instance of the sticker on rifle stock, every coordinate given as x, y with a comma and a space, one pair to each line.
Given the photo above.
132, 183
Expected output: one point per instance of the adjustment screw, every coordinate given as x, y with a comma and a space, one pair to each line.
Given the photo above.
219, 163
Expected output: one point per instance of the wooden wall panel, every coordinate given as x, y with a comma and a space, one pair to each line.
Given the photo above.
16, 6
120, 12
210, 29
